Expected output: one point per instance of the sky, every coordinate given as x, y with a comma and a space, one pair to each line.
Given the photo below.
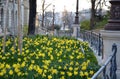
69, 5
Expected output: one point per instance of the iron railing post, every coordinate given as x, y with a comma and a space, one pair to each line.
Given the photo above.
91, 38
113, 66
99, 44
113, 63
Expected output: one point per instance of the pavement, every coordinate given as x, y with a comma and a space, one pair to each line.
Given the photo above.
118, 74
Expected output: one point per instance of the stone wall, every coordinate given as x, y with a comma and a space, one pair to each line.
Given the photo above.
26, 11
12, 16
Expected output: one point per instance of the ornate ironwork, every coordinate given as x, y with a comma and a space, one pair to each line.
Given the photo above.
110, 62
95, 40
113, 67
114, 21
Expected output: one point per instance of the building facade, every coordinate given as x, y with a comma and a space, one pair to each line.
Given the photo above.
26, 12
12, 15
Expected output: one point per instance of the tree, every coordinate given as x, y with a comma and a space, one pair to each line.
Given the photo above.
32, 17
48, 18
95, 4
67, 17
43, 11
92, 19
19, 27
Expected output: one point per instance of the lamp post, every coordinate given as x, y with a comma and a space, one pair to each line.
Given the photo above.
76, 26
77, 17
64, 25
53, 18
114, 21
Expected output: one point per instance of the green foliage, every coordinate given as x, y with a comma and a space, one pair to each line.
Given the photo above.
25, 29
100, 24
85, 25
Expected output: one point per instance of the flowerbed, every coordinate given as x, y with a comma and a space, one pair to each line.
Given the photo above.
45, 57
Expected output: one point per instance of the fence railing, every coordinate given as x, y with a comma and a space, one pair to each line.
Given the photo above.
63, 33
95, 40
108, 70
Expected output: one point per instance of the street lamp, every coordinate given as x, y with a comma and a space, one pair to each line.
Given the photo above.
53, 17
114, 21
64, 25
77, 17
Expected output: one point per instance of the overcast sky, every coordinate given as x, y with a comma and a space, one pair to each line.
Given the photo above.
70, 5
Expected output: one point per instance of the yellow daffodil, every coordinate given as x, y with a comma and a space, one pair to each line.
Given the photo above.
81, 74
2, 65
43, 75
1, 73
91, 72
19, 73
19, 59
62, 77
11, 72
75, 72
83, 67
17, 70
86, 73
70, 68
7, 66
69, 74
62, 73
49, 77
54, 71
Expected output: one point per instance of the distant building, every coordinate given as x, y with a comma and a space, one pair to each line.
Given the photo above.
85, 14
48, 19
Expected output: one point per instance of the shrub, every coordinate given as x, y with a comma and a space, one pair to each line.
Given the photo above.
102, 23
25, 29
85, 25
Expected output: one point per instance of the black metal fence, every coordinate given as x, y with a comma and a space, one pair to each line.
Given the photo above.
63, 33
108, 70
95, 40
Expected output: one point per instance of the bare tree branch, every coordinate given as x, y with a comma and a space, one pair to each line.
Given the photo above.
47, 6
43, 11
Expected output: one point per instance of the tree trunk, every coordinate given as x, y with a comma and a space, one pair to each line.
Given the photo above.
43, 11
32, 17
19, 28
43, 19
92, 19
